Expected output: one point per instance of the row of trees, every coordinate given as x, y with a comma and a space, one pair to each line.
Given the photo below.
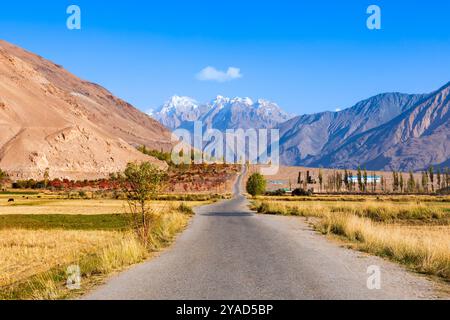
65, 184
340, 181
160, 155
362, 182
432, 181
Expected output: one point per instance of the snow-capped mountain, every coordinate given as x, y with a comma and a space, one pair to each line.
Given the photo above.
178, 110
221, 113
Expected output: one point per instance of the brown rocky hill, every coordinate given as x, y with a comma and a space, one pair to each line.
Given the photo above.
49, 118
416, 139
391, 131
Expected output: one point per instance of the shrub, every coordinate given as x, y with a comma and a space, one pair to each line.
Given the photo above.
276, 193
256, 184
184, 208
82, 194
301, 192
3, 175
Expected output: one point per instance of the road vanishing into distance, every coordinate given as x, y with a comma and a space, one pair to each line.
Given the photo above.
230, 253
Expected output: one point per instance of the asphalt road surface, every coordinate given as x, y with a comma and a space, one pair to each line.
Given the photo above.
230, 253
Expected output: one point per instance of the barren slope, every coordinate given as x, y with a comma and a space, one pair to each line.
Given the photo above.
51, 119
414, 140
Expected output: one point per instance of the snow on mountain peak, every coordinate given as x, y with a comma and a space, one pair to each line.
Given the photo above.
179, 104
245, 101
179, 110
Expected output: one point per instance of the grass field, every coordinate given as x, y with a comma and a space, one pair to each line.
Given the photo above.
41, 235
360, 198
53, 204
414, 233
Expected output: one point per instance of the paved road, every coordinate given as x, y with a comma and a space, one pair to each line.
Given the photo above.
230, 253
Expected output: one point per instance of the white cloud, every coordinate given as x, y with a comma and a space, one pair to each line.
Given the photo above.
338, 110
212, 74
150, 111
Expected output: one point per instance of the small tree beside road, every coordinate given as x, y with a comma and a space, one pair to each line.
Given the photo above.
142, 182
256, 184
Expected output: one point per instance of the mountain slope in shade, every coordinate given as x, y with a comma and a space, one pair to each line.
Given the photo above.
417, 138
51, 119
222, 113
306, 137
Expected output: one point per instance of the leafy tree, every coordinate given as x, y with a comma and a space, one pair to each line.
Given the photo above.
160, 155
374, 182
402, 183
346, 178
383, 184
365, 180
320, 180
256, 184
141, 183
447, 177
360, 183
425, 181
431, 174
439, 178
309, 179
338, 181
46, 177
411, 183
3, 175
350, 181
395, 182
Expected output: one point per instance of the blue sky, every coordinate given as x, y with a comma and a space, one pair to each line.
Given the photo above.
308, 56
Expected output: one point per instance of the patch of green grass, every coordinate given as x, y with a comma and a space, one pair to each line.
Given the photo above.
19, 193
191, 197
29, 203
65, 222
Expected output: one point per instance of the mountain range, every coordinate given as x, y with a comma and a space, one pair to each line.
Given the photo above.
50, 118
413, 140
221, 113
390, 131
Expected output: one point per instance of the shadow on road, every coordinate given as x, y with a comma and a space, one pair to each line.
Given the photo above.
228, 214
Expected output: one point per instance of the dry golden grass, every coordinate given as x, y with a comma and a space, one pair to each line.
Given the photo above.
375, 227
33, 262
24, 253
378, 211
425, 249
50, 285
360, 198
76, 207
